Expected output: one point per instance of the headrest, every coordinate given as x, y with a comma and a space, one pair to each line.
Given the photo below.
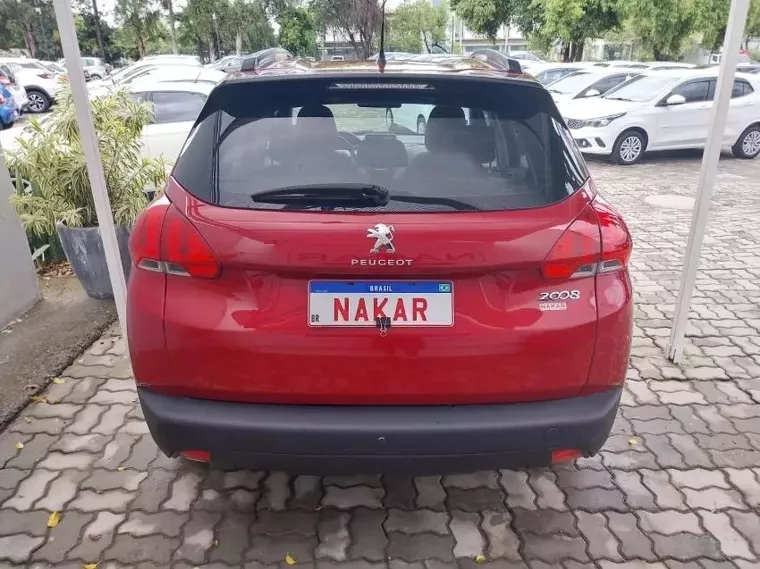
316, 121
382, 153
444, 128
315, 111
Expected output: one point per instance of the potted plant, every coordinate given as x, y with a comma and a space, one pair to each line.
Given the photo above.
54, 192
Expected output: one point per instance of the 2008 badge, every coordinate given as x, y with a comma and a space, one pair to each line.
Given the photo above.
559, 295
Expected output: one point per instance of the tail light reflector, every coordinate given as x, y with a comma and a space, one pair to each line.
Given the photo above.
2, 100
164, 240
564, 455
578, 250
596, 242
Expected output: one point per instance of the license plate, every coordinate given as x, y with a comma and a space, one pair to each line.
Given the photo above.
360, 303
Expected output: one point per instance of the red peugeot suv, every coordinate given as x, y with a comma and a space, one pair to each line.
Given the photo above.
326, 286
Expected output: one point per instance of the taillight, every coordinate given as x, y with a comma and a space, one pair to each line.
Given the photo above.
2, 100
163, 240
616, 240
596, 242
4, 80
578, 250
45, 75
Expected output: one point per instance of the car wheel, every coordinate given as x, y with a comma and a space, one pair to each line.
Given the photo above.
39, 102
629, 148
95, 77
748, 145
4, 125
421, 125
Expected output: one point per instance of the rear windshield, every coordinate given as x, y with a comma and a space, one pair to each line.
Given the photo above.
434, 145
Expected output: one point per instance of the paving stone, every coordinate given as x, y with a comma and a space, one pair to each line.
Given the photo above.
748, 523
78, 443
372, 480
735, 458
184, 491
369, 541
554, 548
419, 547
143, 453
688, 417
116, 451
468, 541
140, 524
519, 493
10, 477
18, 548
52, 426
275, 523
266, 549
475, 500
698, 478
629, 460
502, 541
97, 536
35, 449
548, 494
430, 492
62, 538
731, 542
198, 536
596, 499
716, 422
33, 523
602, 544
572, 477
276, 491
334, 538
748, 483
307, 493
30, 490
670, 522
666, 494
232, 539
89, 501
129, 549
63, 461
692, 453
666, 454
685, 546
62, 490
112, 420
487, 479
355, 496
417, 521
544, 522
399, 492
86, 419
633, 543
636, 495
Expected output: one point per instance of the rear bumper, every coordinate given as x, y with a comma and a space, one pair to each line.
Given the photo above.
409, 439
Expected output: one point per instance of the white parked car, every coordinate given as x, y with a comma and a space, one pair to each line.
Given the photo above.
664, 110
37, 80
589, 82
549, 73
9, 80
176, 105
163, 73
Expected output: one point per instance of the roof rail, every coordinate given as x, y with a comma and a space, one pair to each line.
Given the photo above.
497, 59
265, 57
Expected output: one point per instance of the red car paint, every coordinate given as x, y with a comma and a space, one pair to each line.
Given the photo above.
242, 335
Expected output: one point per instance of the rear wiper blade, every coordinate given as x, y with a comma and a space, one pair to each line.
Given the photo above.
326, 195
450, 202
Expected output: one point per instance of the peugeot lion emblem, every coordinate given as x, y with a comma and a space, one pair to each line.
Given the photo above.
383, 236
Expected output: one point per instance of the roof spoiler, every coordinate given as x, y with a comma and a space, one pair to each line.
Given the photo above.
264, 58
498, 59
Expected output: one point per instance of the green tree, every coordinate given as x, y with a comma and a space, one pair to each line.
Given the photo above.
356, 20
752, 29
298, 33
417, 24
661, 26
710, 18
485, 16
140, 22
18, 16
573, 21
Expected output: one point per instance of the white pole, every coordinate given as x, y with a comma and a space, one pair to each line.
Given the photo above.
67, 31
734, 33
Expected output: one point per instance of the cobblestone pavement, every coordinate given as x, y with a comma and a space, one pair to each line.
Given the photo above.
677, 484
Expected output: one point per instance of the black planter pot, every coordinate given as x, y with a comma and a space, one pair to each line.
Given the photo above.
84, 250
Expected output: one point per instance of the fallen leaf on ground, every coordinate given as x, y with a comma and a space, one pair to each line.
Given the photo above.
633, 442
19, 445
53, 520
27, 420
480, 558
120, 469
90, 566
38, 399
290, 560
215, 543
58, 380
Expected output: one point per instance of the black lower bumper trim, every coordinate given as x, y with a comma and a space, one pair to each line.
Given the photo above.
409, 439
